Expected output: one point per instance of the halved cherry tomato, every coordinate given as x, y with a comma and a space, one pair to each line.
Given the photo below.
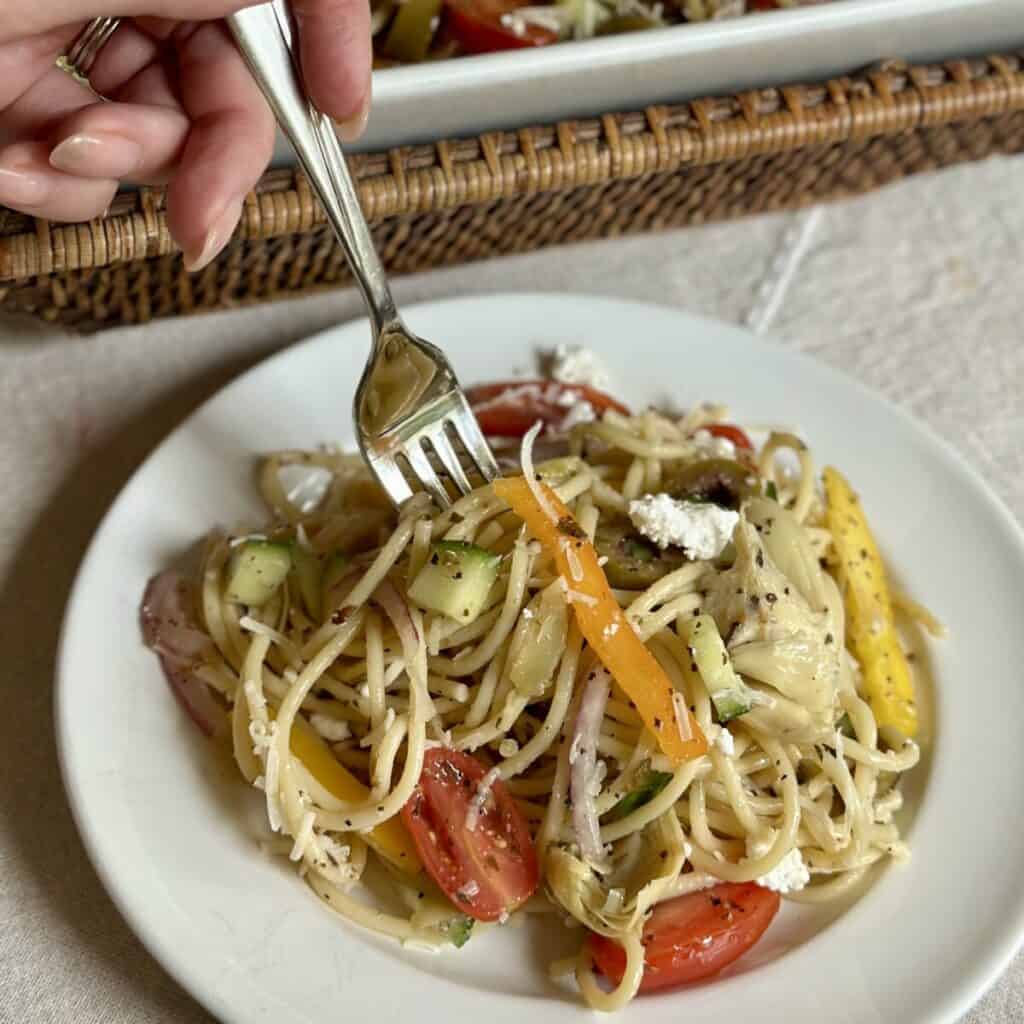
509, 408
730, 433
486, 872
694, 936
477, 25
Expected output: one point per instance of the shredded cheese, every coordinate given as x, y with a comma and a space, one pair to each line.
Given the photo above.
682, 717
483, 791
526, 461
303, 836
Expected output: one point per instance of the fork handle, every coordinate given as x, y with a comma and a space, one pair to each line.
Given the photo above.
265, 37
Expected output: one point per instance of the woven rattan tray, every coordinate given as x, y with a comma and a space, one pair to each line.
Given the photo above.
455, 201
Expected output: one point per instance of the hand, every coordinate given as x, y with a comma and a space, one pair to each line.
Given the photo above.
183, 108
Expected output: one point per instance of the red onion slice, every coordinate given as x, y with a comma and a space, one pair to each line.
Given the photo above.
168, 628
395, 608
584, 783
194, 696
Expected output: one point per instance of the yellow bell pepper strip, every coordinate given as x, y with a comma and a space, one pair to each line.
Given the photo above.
390, 839
870, 629
603, 623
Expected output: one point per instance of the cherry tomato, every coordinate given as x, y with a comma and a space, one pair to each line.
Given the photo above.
694, 936
477, 25
509, 408
730, 433
486, 872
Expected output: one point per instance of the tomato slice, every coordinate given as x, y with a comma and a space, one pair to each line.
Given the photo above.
486, 872
730, 433
509, 408
694, 936
477, 25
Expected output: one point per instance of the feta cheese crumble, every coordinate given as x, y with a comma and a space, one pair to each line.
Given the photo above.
702, 531
579, 412
789, 875
333, 730
716, 447
574, 364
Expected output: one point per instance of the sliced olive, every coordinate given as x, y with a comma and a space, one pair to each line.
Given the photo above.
717, 481
619, 23
634, 563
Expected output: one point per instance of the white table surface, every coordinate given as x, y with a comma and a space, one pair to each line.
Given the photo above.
918, 290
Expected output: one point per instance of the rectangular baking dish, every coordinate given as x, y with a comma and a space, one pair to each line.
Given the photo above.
469, 95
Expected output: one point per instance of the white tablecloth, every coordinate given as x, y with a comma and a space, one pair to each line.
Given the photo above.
917, 290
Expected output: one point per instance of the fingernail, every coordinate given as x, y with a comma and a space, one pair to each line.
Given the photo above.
103, 155
20, 188
353, 126
216, 238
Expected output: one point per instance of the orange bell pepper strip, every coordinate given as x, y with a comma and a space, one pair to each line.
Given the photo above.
603, 623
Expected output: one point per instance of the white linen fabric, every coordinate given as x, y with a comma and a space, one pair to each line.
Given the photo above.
916, 290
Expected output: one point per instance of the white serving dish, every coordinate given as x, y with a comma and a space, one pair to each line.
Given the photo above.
468, 95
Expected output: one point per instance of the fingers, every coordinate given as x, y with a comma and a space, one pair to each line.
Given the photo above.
42, 105
334, 39
28, 183
24, 61
21, 20
228, 148
122, 57
131, 141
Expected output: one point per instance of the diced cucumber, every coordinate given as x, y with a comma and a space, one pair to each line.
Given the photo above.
334, 571
651, 784
256, 569
459, 930
308, 573
730, 695
456, 580
731, 704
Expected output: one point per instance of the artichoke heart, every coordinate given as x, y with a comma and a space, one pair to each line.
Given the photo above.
619, 905
780, 632
785, 543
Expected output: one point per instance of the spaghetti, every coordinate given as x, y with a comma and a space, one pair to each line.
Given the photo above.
361, 710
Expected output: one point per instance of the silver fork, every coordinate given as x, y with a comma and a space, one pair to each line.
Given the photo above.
408, 404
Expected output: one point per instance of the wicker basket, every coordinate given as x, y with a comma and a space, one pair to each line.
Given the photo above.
507, 192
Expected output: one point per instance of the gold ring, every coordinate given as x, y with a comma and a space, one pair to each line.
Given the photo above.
82, 53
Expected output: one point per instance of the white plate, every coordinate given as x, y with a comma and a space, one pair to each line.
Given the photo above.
442, 99
165, 823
